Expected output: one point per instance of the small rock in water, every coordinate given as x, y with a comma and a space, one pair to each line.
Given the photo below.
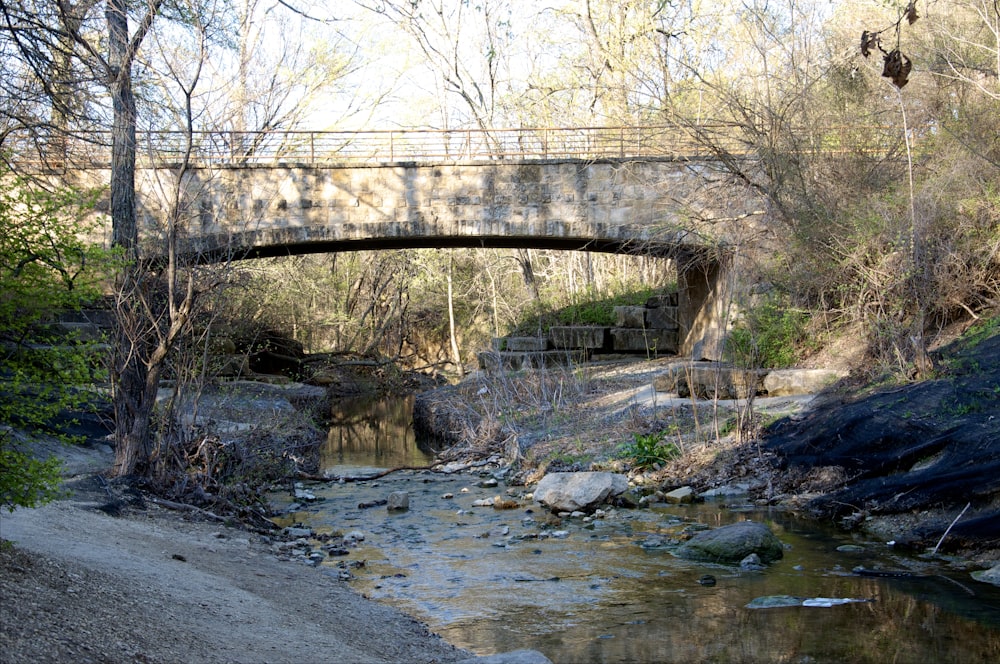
733, 543
774, 601
499, 531
483, 502
653, 542
727, 490
488, 483
398, 501
307, 496
850, 548
560, 534
991, 575
447, 496
752, 563
354, 536
298, 532
685, 494
707, 580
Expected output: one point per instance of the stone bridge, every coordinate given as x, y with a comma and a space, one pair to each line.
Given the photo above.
645, 190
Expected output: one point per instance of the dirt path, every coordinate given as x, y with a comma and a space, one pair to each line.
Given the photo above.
149, 587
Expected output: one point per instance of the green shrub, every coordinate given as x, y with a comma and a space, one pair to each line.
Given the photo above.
598, 312
26, 481
44, 268
770, 335
648, 450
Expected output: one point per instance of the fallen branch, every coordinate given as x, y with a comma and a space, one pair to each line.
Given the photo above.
359, 478
184, 507
434, 468
936, 546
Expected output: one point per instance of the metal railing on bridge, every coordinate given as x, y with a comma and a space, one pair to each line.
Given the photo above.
269, 148
388, 146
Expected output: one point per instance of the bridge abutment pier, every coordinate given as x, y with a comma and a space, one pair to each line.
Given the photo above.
703, 303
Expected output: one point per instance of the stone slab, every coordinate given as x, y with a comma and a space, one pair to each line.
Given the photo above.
709, 380
515, 361
788, 382
578, 336
660, 342
525, 344
630, 316
662, 318
666, 300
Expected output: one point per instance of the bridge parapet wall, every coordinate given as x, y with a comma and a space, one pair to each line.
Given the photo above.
607, 205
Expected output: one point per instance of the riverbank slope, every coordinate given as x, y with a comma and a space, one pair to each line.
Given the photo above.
151, 586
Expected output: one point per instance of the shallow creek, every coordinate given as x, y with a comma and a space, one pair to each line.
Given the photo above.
605, 589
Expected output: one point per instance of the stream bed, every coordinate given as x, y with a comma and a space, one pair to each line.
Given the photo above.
606, 588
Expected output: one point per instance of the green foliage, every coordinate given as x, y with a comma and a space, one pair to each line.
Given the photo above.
583, 312
648, 450
24, 480
981, 331
770, 335
45, 267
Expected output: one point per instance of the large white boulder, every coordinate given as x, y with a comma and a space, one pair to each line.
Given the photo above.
570, 492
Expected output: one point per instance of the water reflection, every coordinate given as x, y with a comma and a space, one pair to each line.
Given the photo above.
368, 432
484, 580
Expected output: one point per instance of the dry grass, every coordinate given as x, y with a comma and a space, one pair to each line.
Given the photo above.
583, 416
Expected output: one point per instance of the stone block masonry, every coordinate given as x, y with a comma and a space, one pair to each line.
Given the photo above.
579, 343
642, 205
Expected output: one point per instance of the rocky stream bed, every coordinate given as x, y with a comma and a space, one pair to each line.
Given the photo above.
157, 585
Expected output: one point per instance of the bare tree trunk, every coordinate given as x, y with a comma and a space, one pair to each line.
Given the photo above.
129, 375
455, 353
124, 230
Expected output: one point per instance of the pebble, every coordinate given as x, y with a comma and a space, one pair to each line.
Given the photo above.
447, 496
560, 534
488, 483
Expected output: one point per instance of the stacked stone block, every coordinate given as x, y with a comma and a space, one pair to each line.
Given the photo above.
649, 330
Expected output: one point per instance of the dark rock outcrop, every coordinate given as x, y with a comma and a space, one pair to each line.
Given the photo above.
931, 445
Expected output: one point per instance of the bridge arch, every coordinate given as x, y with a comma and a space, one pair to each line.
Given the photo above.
609, 205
